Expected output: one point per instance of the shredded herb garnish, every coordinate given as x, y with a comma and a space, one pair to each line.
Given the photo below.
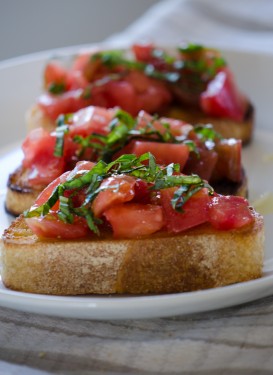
56, 88
61, 129
206, 133
89, 182
123, 129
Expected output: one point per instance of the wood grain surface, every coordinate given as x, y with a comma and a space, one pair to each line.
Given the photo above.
231, 341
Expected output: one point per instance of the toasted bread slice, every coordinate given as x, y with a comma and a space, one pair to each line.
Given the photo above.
228, 128
199, 258
20, 195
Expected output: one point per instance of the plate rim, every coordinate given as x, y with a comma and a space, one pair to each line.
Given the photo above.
94, 306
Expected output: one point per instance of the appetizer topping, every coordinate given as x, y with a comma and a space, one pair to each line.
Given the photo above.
146, 77
132, 197
95, 133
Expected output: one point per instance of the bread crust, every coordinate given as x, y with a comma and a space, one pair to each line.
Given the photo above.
20, 196
200, 258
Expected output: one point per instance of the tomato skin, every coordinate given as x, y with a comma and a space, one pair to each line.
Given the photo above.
68, 102
229, 212
46, 193
175, 126
133, 220
55, 73
51, 227
142, 192
164, 153
143, 52
195, 211
91, 120
222, 98
38, 149
122, 191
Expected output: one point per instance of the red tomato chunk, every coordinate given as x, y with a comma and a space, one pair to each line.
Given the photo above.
229, 212
133, 220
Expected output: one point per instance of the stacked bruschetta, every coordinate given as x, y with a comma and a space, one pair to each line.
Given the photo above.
132, 180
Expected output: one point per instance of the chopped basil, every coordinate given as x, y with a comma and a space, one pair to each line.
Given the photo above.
206, 133
56, 88
61, 129
89, 183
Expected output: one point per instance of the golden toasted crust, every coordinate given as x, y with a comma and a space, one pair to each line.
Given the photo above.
228, 128
20, 196
197, 259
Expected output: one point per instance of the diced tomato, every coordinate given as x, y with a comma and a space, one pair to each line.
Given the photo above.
146, 53
222, 98
68, 102
80, 62
118, 189
46, 193
229, 212
142, 192
164, 153
134, 220
81, 166
195, 211
121, 94
151, 95
175, 126
229, 164
91, 120
55, 73
51, 227
143, 52
39, 158
202, 164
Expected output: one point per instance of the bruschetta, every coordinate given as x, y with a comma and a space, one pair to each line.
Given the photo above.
131, 227
95, 133
190, 82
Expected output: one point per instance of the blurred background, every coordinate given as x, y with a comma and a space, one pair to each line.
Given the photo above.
35, 25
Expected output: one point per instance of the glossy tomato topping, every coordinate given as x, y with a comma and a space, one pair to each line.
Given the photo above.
193, 213
229, 212
116, 189
52, 227
133, 220
222, 98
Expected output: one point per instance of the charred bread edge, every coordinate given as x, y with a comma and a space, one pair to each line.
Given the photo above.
20, 196
200, 258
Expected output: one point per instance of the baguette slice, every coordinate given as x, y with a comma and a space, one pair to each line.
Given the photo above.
197, 259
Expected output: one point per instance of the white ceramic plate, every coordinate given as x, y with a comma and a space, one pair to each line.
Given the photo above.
20, 83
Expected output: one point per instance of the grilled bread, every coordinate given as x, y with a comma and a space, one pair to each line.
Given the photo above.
199, 258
